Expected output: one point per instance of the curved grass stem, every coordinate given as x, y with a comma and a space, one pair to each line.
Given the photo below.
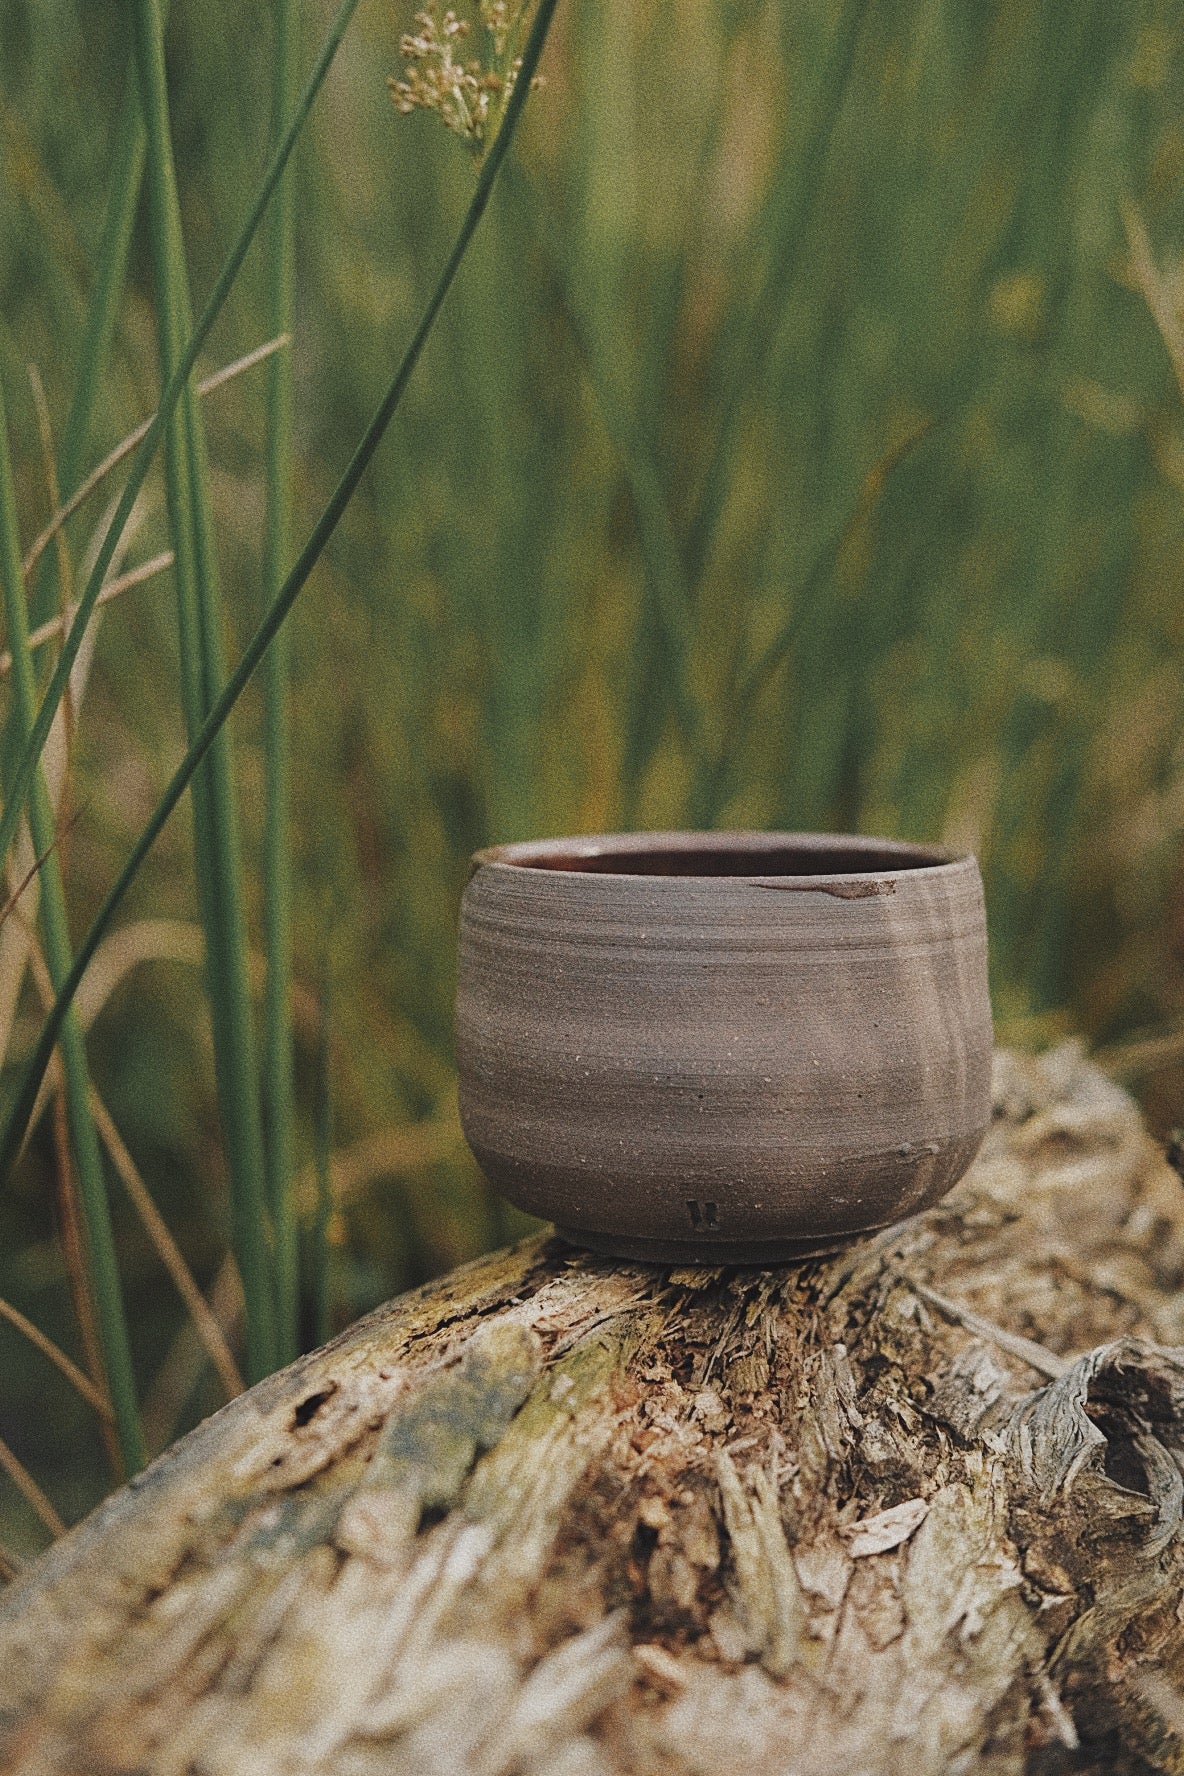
124, 448
82, 1384
99, 1242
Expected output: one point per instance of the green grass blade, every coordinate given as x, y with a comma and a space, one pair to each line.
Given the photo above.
18, 1119
102, 315
101, 319
92, 1189
278, 1061
792, 203
709, 790
668, 596
217, 847
23, 770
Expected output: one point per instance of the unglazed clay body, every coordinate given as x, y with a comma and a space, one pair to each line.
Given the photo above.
722, 1047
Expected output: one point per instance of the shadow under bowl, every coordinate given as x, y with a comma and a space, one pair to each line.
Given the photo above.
723, 1047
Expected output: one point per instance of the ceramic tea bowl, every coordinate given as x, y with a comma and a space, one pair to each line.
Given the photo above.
723, 1047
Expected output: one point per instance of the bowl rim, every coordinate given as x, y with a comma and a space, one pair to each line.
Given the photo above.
916, 861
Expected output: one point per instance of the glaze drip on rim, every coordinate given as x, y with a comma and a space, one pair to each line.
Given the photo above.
737, 855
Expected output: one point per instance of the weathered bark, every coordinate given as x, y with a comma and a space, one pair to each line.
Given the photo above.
916, 1506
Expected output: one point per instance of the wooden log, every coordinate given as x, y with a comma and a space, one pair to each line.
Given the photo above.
915, 1506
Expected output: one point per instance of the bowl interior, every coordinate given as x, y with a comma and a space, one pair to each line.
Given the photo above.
721, 854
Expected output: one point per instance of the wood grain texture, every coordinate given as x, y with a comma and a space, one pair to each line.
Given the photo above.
916, 1506
747, 1065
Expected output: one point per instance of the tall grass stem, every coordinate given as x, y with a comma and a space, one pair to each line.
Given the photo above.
321, 1257
667, 590
217, 848
279, 1092
792, 205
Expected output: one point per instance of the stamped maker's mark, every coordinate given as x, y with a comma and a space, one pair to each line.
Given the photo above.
704, 1216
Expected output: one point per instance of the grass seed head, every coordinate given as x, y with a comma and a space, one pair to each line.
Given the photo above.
468, 95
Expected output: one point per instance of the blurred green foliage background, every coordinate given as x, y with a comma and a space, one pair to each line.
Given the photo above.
796, 449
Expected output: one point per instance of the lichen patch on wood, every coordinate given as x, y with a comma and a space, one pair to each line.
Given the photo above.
917, 1505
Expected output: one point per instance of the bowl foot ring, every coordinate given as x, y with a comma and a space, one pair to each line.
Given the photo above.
706, 1250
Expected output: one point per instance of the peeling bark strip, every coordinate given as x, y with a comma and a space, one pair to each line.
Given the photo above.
915, 1506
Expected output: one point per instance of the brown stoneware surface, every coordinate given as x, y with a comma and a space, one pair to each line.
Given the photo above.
723, 1046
